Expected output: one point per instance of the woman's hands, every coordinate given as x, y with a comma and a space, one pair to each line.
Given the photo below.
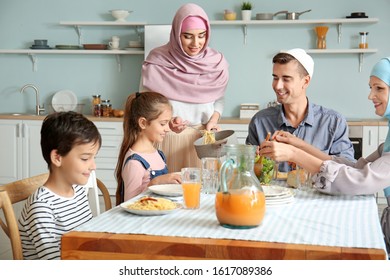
177, 125
277, 151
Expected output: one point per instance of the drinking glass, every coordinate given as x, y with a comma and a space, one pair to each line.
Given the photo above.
191, 184
210, 174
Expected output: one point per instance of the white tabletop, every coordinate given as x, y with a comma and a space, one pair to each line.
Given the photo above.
313, 218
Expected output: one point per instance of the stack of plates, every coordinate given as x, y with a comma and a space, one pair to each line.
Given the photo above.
277, 195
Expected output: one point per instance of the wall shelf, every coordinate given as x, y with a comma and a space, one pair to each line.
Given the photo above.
338, 21
360, 52
77, 25
32, 53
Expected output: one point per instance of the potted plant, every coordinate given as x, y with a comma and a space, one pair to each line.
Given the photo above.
246, 10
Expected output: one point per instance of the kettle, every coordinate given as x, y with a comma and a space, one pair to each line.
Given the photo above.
240, 201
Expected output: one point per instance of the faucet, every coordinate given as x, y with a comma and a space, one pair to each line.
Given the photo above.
38, 108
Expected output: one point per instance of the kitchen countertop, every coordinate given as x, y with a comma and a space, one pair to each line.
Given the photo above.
351, 122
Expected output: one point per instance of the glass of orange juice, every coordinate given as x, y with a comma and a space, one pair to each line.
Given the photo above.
191, 184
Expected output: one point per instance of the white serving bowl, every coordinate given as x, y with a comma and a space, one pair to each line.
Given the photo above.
120, 15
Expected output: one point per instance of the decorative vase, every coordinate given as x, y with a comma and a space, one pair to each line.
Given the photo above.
246, 15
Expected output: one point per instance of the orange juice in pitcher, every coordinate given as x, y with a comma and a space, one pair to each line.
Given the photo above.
240, 202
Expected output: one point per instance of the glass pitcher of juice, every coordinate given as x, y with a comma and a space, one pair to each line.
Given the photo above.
240, 201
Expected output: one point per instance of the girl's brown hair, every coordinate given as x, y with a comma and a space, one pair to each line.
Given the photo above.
148, 105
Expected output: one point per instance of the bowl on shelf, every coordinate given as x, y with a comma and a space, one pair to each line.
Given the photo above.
120, 15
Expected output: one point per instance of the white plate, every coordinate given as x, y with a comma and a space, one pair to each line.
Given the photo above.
272, 190
279, 201
64, 100
147, 212
167, 189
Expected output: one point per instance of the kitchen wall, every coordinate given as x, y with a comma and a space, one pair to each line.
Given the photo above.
337, 83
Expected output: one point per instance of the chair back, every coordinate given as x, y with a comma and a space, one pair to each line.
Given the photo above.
20, 190
93, 187
10, 194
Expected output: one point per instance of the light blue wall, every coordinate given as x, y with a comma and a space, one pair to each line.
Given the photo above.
337, 83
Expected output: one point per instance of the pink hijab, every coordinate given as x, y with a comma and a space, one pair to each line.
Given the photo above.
195, 79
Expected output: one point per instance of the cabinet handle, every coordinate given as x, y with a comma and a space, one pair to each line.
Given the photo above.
17, 130
105, 146
369, 137
24, 131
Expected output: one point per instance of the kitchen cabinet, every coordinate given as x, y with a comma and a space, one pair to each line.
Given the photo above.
241, 131
20, 150
370, 139
373, 136
107, 157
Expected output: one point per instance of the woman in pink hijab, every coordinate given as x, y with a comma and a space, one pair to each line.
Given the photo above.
194, 78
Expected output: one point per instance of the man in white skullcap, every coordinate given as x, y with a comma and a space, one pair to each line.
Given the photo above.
324, 128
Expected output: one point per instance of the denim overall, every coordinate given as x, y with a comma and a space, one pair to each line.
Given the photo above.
146, 165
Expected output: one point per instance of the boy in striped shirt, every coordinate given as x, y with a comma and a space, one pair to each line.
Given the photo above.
69, 144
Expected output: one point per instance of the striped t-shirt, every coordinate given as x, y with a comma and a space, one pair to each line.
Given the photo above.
46, 216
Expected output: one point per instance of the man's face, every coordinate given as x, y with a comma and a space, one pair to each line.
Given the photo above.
288, 84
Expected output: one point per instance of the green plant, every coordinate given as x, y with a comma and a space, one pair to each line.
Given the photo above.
246, 6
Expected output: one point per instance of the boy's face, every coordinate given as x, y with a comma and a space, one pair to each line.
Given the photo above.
77, 165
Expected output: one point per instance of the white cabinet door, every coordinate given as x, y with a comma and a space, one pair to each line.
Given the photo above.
107, 158
241, 131
10, 152
382, 138
20, 150
33, 162
382, 134
370, 139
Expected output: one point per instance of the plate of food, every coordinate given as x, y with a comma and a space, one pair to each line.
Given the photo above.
150, 206
167, 189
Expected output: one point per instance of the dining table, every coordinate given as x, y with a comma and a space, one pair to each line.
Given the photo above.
312, 226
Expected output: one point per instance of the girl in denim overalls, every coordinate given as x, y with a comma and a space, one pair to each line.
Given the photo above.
140, 164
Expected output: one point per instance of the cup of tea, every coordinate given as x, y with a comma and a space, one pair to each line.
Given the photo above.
210, 174
191, 184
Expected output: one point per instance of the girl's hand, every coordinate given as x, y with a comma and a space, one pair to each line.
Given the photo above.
170, 178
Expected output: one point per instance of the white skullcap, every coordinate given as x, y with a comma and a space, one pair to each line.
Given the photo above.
305, 59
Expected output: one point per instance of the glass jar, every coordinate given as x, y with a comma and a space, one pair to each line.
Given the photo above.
95, 100
240, 201
106, 108
363, 40
97, 110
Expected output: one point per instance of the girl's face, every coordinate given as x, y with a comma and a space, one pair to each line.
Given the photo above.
379, 94
193, 41
156, 130
79, 162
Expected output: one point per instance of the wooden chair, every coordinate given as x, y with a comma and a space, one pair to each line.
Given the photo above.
12, 193
20, 190
93, 186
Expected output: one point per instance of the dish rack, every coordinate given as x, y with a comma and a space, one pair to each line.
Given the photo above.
65, 108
